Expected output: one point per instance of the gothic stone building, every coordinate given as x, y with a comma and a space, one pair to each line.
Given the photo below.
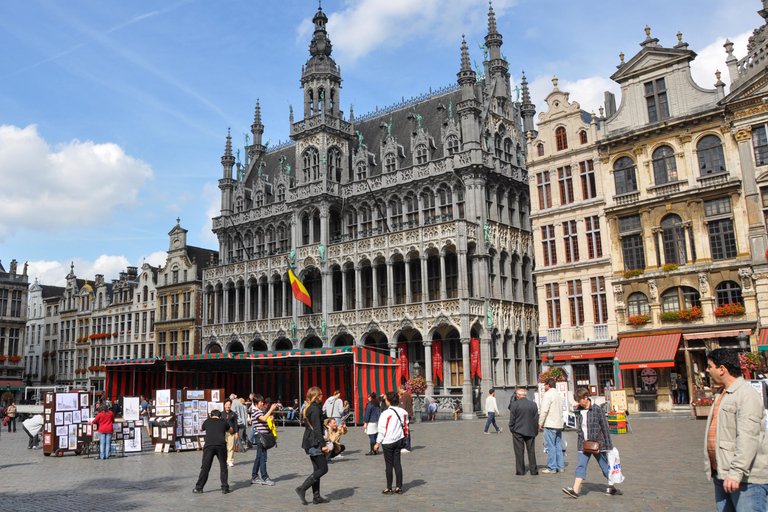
408, 226
13, 318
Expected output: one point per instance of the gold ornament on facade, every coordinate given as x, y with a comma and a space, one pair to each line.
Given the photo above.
741, 135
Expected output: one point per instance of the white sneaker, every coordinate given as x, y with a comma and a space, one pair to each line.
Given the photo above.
405, 450
231, 464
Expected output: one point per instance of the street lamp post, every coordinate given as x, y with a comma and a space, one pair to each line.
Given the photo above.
743, 340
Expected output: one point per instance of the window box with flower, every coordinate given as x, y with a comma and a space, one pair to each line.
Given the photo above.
669, 267
639, 319
732, 309
628, 274
684, 315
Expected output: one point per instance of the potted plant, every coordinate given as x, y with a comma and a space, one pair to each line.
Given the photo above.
732, 309
669, 267
702, 406
51, 378
750, 363
633, 273
639, 319
556, 373
416, 386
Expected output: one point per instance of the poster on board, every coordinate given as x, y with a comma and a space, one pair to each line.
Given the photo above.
133, 444
67, 402
131, 408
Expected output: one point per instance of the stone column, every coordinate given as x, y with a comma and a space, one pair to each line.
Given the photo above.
424, 280
224, 307
237, 304
443, 295
408, 281
343, 290
428, 369
466, 402
259, 312
247, 306
206, 301
375, 281
390, 285
287, 292
358, 289
271, 299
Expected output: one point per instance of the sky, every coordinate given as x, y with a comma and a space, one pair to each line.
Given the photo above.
114, 115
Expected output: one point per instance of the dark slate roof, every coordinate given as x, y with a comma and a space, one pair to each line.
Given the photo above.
271, 166
52, 291
202, 258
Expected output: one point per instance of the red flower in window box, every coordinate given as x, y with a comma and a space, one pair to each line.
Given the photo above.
732, 309
14, 359
639, 319
633, 273
3, 358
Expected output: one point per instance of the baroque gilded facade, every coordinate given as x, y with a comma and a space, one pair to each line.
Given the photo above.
408, 226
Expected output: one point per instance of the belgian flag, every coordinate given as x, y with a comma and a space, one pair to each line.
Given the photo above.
299, 291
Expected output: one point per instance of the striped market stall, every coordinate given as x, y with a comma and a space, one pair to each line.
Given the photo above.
281, 375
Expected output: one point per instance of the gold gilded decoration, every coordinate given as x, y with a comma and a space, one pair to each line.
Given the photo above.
741, 135
750, 111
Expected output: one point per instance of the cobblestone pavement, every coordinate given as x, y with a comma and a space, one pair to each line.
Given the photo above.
453, 466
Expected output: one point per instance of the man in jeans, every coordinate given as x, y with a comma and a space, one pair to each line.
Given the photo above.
551, 423
736, 458
492, 409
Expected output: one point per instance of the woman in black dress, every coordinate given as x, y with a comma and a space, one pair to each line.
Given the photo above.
314, 445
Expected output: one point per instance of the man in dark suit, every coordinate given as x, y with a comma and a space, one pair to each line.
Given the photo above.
524, 425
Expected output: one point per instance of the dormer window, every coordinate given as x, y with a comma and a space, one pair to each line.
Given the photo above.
259, 200
540, 149
421, 154
280, 194
583, 136
390, 162
453, 145
362, 170
656, 99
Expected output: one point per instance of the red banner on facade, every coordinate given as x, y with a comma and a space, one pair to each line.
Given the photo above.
474, 354
402, 355
437, 360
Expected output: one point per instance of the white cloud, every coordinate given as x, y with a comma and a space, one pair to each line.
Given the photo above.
364, 26
712, 57
74, 183
55, 272
588, 92
156, 259
211, 197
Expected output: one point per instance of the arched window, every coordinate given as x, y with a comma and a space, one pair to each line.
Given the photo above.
334, 164
428, 206
673, 237
282, 238
305, 229
583, 136
508, 150
362, 170
365, 221
411, 211
446, 203
637, 304
421, 154
451, 275
624, 175
280, 194
390, 162
684, 297
310, 163
561, 138
311, 97
396, 207
711, 158
315, 165
729, 292
452, 143
259, 200
497, 148
352, 224
664, 166
540, 148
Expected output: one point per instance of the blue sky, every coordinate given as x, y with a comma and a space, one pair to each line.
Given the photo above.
113, 115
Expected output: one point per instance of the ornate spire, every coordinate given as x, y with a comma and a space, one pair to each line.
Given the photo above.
526, 94
466, 65
228, 147
257, 115
320, 44
491, 20
527, 108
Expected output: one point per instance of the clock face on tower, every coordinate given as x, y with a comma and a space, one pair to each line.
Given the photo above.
649, 376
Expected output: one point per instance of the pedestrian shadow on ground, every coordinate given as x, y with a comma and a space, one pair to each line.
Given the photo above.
413, 448
6, 466
283, 478
340, 494
413, 484
587, 488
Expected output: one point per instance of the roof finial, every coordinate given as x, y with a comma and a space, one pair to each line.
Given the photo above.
257, 114
621, 56
228, 148
554, 81
647, 31
491, 19
465, 64
178, 220
526, 95
679, 37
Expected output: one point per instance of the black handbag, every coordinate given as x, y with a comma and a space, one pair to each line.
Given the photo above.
267, 440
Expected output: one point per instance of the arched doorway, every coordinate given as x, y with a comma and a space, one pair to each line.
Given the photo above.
283, 344
313, 342
214, 348
344, 340
235, 346
258, 346
377, 340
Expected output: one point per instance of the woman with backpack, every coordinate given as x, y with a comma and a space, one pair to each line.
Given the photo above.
314, 444
393, 430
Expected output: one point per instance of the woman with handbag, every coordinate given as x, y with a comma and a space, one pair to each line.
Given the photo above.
371, 421
393, 431
314, 445
594, 440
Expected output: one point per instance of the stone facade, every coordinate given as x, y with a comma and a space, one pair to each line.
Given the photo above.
33, 341
573, 275
13, 319
407, 226
177, 315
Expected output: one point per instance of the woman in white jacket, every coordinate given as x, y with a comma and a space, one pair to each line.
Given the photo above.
393, 428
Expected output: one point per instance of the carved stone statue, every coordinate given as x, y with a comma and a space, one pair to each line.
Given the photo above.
517, 90
323, 327
292, 258
703, 284
418, 117
261, 164
26, 265
654, 291
489, 313
487, 230
450, 109
293, 330
359, 138
288, 169
13, 267
485, 51
618, 293
247, 139
745, 274
321, 250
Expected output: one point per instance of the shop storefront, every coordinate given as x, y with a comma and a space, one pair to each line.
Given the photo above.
591, 368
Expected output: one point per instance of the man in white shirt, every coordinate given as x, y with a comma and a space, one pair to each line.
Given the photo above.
492, 410
551, 422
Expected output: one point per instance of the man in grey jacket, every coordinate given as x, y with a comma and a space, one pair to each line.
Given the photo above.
242, 422
551, 423
737, 460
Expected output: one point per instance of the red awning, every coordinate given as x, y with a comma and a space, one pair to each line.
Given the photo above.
656, 351
762, 343
15, 385
715, 334
582, 353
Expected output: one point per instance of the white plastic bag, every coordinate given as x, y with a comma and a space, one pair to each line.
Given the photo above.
614, 463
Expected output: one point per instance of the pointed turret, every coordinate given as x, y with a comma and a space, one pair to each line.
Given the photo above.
467, 75
497, 66
468, 109
228, 161
257, 129
226, 183
527, 108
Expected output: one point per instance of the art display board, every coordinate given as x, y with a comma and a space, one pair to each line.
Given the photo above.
66, 422
619, 400
188, 409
